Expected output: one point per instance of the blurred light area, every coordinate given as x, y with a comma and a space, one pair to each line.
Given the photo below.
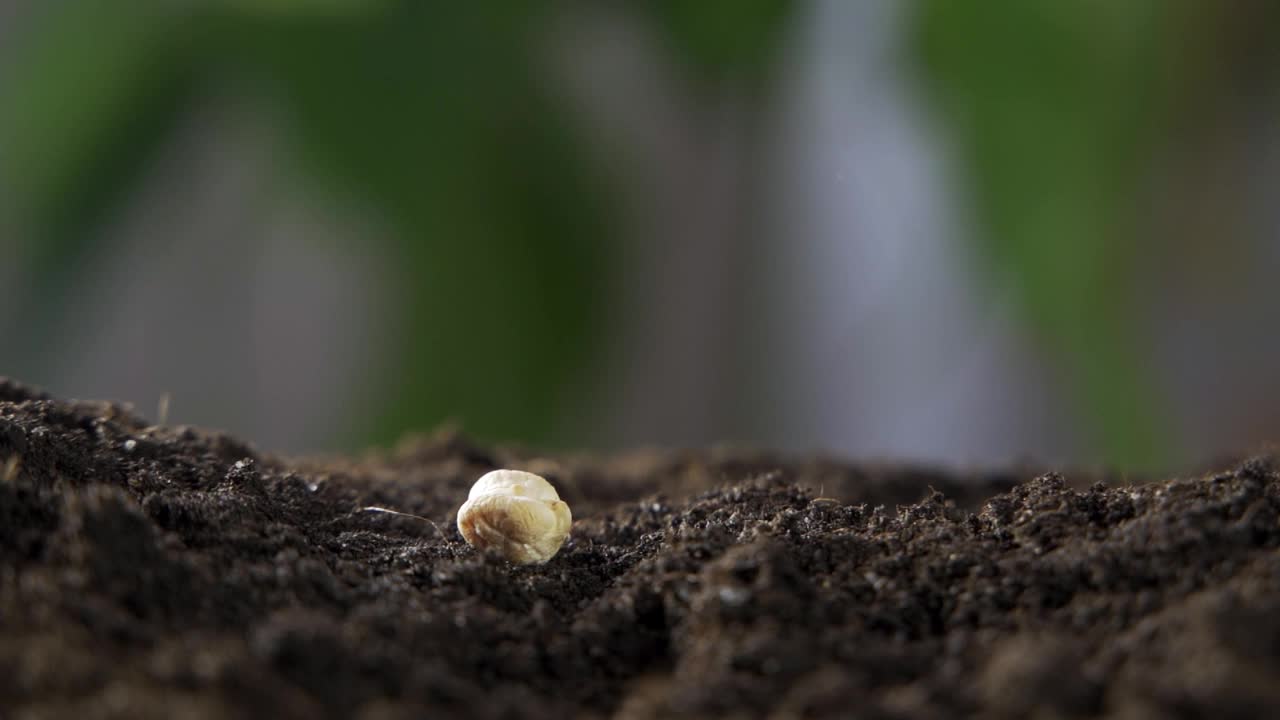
894, 350
878, 229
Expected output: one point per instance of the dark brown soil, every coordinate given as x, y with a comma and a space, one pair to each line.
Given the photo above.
169, 571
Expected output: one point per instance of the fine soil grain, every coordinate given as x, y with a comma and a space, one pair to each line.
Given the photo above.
151, 571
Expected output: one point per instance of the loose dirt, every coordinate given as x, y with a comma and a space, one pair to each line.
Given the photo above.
175, 572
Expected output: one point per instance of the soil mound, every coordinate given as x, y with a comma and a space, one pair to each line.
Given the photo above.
175, 572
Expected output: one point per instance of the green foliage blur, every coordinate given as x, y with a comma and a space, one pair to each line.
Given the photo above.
434, 115
1060, 110
1056, 106
430, 113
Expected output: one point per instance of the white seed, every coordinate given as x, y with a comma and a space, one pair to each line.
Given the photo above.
517, 513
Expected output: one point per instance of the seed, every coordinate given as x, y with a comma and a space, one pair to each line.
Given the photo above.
517, 513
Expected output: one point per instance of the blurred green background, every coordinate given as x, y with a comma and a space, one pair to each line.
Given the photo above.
936, 230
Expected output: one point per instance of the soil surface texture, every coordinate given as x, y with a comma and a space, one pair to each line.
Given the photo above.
156, 571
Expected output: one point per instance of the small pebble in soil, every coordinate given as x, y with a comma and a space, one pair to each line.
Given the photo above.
516, 513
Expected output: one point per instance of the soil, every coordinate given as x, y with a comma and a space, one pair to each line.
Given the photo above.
153, 571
